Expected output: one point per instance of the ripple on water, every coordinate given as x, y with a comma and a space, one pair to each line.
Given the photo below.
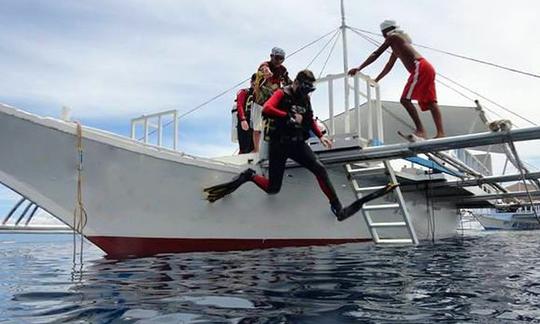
480, 278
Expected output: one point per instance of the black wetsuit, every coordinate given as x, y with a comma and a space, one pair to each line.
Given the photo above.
287, 140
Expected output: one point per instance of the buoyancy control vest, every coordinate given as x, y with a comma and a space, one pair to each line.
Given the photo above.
285, 129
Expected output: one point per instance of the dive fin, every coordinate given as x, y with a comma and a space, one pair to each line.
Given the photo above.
221, 190
353, 208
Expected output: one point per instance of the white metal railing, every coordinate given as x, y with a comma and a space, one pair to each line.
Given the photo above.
375, 135
154, 123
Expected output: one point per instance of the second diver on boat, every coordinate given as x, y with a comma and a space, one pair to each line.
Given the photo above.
289, 120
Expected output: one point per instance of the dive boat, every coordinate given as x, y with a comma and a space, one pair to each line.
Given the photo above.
523, 218
142, 198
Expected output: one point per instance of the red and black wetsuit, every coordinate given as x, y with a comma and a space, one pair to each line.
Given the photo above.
287, 140
243, 108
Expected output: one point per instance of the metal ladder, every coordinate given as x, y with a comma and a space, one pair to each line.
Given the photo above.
355, 172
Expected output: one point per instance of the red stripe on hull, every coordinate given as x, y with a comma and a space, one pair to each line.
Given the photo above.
139, 246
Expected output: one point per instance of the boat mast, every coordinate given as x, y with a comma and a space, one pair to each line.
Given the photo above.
345, 66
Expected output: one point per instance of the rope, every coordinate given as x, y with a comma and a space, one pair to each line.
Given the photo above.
534, 75
80, 216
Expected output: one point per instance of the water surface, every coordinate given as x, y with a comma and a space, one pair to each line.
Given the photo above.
487, 277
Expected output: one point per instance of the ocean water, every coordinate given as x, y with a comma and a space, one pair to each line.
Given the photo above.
485, 277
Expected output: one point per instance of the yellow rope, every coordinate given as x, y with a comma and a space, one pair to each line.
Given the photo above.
80, 216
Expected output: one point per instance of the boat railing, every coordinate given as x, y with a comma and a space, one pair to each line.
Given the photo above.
155, 123
363, 87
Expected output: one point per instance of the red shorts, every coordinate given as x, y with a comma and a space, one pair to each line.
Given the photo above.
421, 84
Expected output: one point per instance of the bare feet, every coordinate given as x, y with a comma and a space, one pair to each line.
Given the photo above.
420, 134
439, 135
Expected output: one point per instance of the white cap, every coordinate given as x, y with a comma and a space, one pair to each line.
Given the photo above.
388, 23
278, 51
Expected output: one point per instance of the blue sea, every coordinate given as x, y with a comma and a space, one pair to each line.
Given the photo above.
477, 277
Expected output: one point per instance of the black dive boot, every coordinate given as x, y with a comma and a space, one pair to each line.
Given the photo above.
344, 213
221, 190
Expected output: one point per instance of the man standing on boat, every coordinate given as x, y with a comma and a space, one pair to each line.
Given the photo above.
271, 75
421, 83
244, 127
290, 121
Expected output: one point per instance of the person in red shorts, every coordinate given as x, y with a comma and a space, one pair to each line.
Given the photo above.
421, 83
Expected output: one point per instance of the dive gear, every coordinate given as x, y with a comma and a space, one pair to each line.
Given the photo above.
344, 213
221, 190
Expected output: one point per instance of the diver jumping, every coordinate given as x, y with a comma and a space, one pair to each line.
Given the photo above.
290, 119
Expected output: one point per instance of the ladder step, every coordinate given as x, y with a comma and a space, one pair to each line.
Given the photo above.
370, 170
395, 241
357, 188
389, 224
380, 207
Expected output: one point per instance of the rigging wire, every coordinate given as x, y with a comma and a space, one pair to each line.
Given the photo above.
329, 54
487, 99
323, 48
245, 80
224, 92
465, 96
530, 74
374, 42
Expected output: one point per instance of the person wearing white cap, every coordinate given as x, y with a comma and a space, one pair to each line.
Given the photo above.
271, 75
421, 83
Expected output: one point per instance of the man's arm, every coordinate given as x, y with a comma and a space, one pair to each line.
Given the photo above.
387, 67
241, 98
325, 141
271, 105
373, 57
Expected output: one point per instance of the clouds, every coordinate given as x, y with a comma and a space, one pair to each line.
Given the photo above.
117, 60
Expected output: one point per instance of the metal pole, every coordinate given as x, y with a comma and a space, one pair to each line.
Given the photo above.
24, 213
345, 68
378, 107
133, 129
145, 130
331, 105
160, 132
13, 210
175, 136
31, 215
505, 165
356, 92
370, 113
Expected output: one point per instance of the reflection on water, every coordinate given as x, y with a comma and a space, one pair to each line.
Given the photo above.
483, 277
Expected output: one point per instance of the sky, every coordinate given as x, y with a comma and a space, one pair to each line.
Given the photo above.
110, 61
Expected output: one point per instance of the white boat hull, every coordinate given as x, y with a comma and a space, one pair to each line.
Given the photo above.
509, 221
144, 200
